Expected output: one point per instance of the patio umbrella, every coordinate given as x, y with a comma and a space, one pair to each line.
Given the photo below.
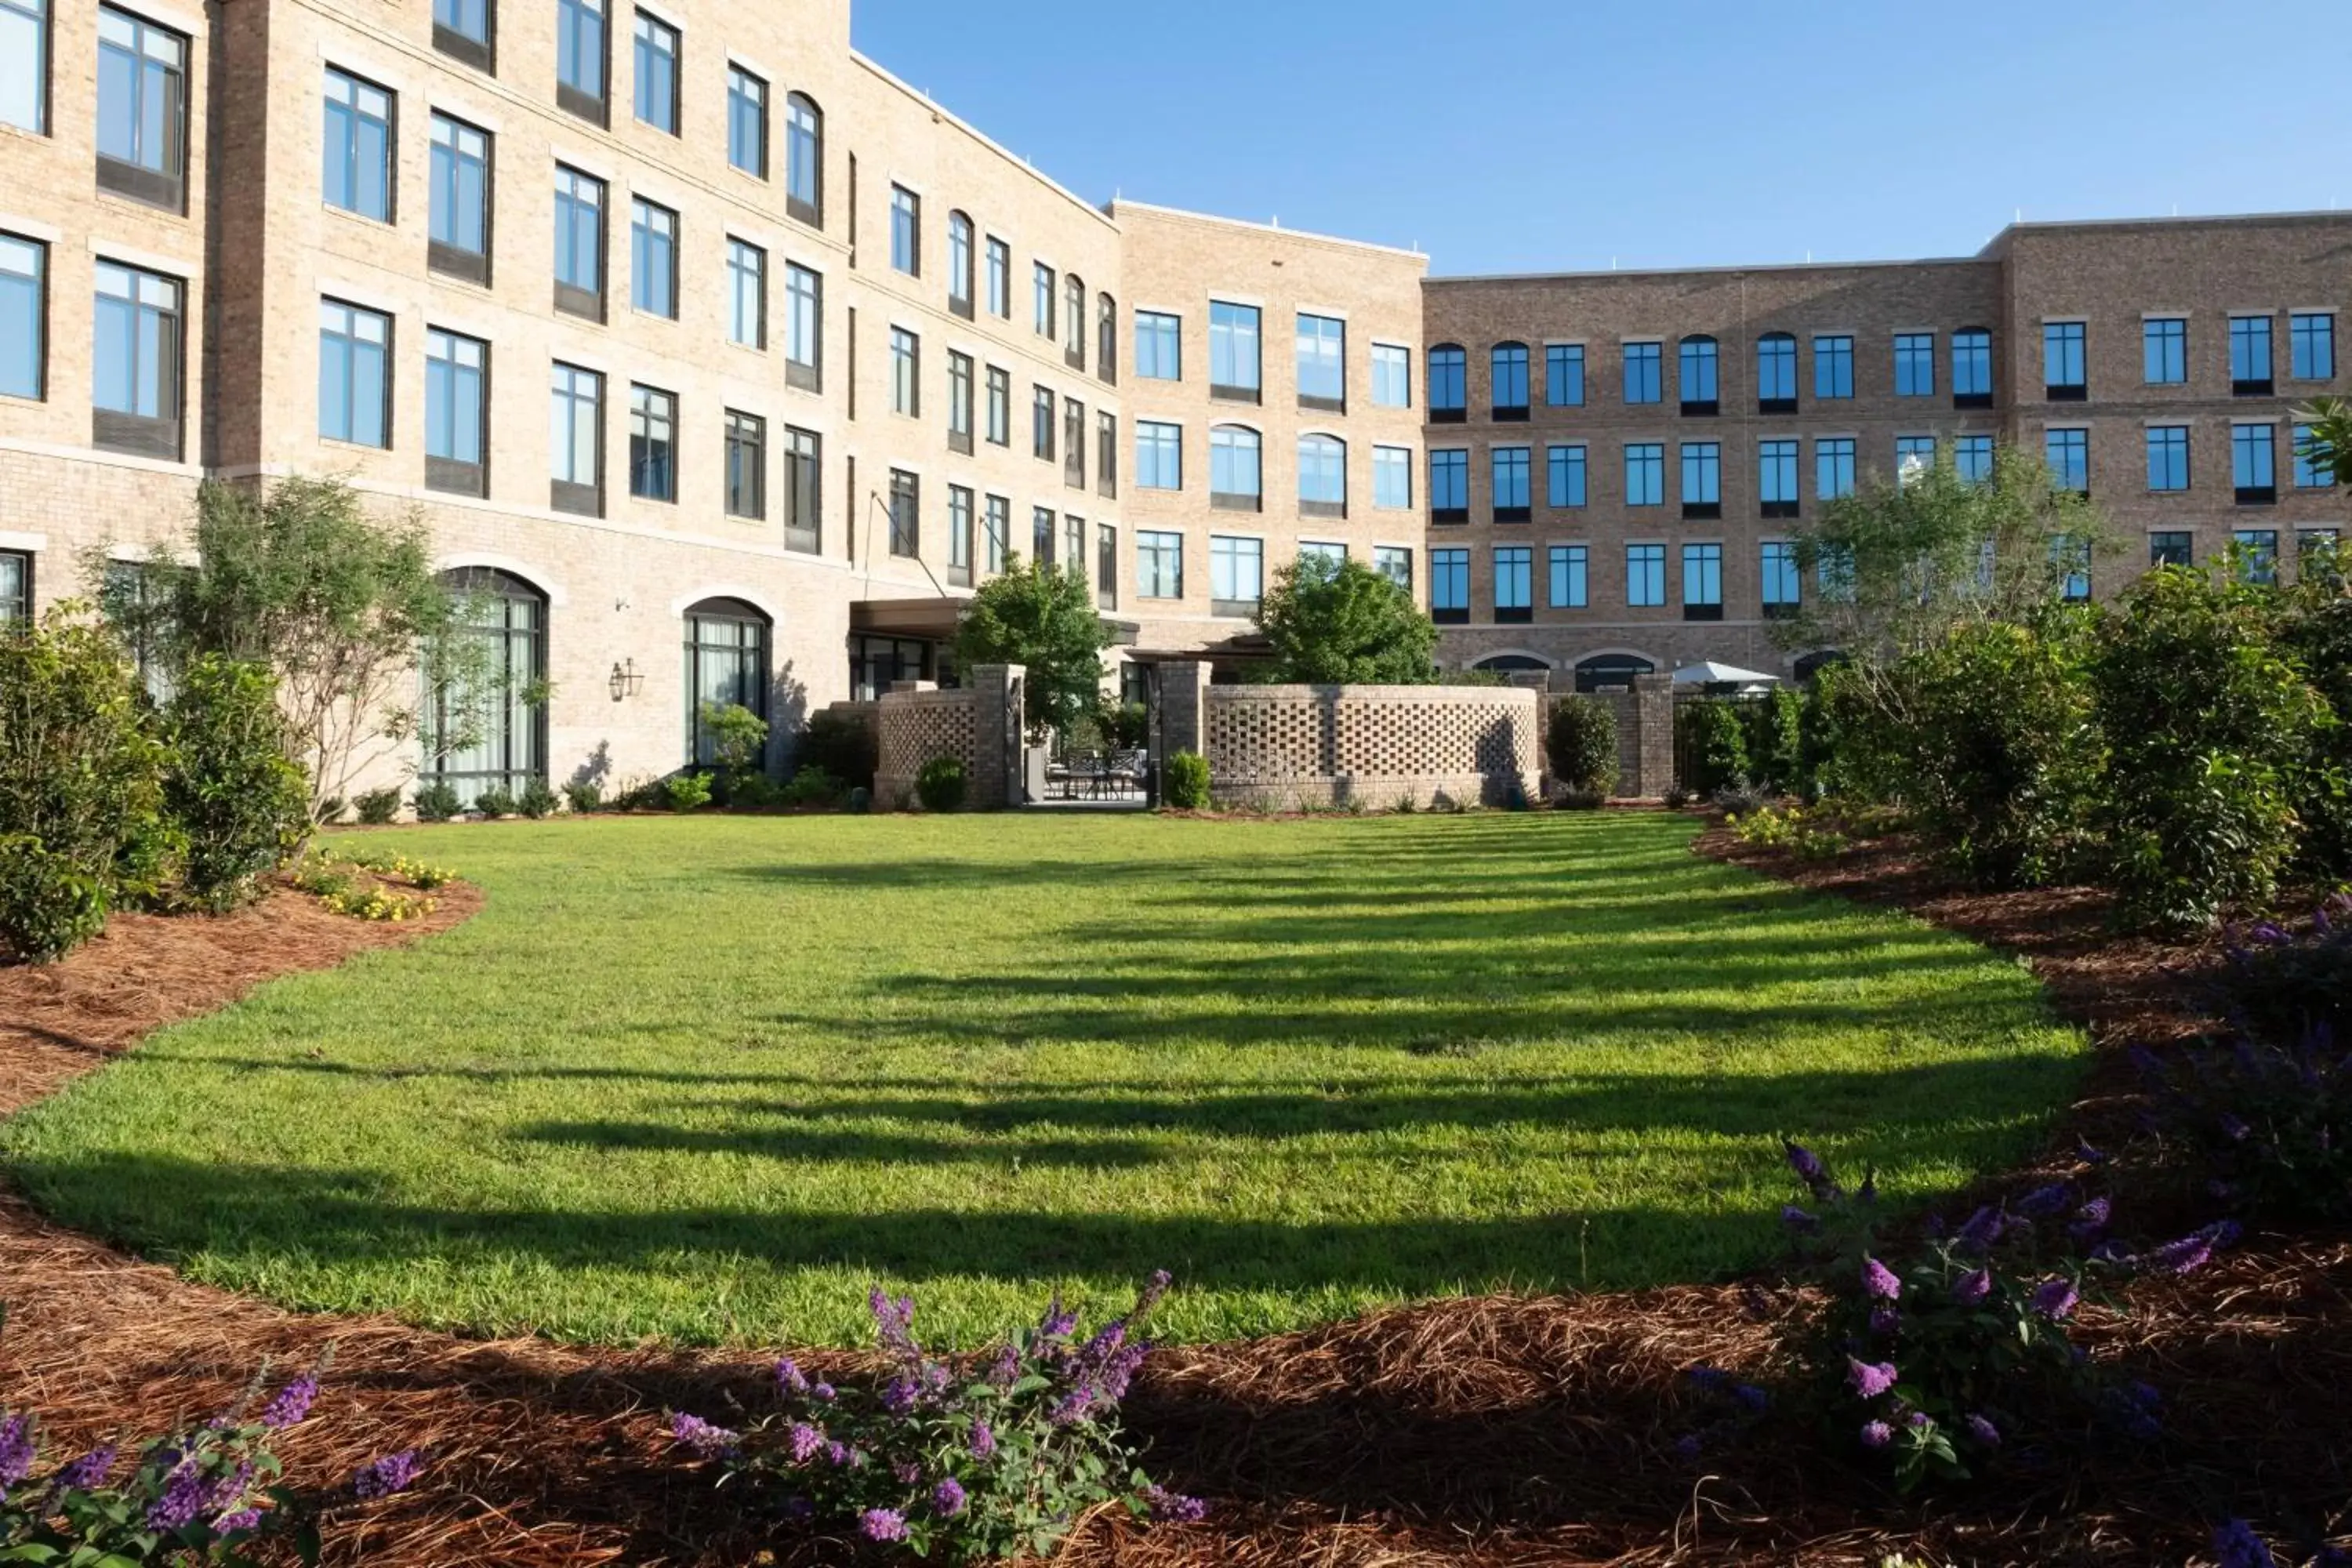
1710, 673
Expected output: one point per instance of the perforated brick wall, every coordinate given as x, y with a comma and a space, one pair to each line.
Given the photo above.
917, 726
1287, 746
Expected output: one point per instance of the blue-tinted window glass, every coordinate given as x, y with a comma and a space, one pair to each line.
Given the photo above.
25, 64
1645, 372
1569, 572
1645, 574
1833, 468
2164, 346
1834, 367
1511, 372
1449, 480
1972, 457
580, 46
805, 164
1566, 469
135, 342
1914, 364
2167, 457
1449, 580
1392, 376
2311, 346
2069, 454
2063, 362
1776, 472
1392, 476
579, 230
353, 345
1237, 569
1783, 584
1514, 577
1322, 470
1645, 474
23, 335
1322, 356
1564, 375
2309, 474
467, 18
657, 61
1235, 358
460, 180
2250, 347
2253, 457
1159, 346
357, 172
1510, 475
1449, 376
1233, 462
455, 368
1158, 456
1702, 473
906, 231
141, 91
747, 123
653, 259
1972, 364
1776, 368
1698, 378
1702, 575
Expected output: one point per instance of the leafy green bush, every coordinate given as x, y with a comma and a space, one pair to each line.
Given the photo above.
812, 785
1714, 744
48, 905
2208, 726
752, 792
1776, 742
2281, 984
496, 802
843, 746
378, 807
585, 796
1185, 783
1583, 745
738, 735
435, 802
687, 792
537, 800
227, 782
2316, 633
941, 784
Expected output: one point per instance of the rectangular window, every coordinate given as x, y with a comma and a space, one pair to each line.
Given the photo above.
1776, 373
2253, 463
2167, 456
1569, 564
354, 374
579, 243
1914, 457
1914, 364
1159, 455
2311, 345
1702, 582
461, 29
1000, 406
1236, 574
356, 173
1394, 562
2063, 365
1833, 468
1701, 480
1041, 534
1645, 474
1514, 584
1509, 473
1783, 584
1074, 444
1040, 423
657, 61
580, 57
1322, 363
803, 471
1159, 565
1449, 487
1832, 367
1696, 382
1776, 479
1564, 467
15, 583
1107, 454
1392, 477
135, 362
906, 514
2069, 455
1645, 576
142, 109
1508, 371
747, 466
1449, 379
456, 411
958, 536
804, 161
1074, 333
652, 259
1392, 376
996, 527
2309, 473
2171, 548
1449, 587
1073, 545
2257, 554
24, 336
1159, 346
747, 294
1233, 358
1972, 369
1320, 554
906, 231
2249, 356
1972, 459
906, 373
999, 278
747, 123
1645, 377
24, 65
1564, 375
1236, 478
961, 265
803, 327
652, 444
2164, 349
459, 221
576, 450
960, 401
1044, 307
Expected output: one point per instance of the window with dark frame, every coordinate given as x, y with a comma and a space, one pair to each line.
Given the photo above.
1235, 361
727, 643
1782, 580
1105, 566
1645, 473
1322, 364
354, 374
1074, 321
1236, 575
2167, 456
961, 265
15, 586
747, 123
1703, 581
579, 244
1777, 488
958, 536
960, 401
2171, 547
2250, 369
1645, 576
581, 47
747, 294
576, 452
1702, 463
456, 413
652, 444
1449, 379
1074, 443
2164, 351
652, 259
1449, 487
1107, 340
906, 231
2311, 345
1832, 367
1000, 406
1570, 576
1699, 380
2254, 464
1914, 364
1508, 480
804, 161
25, 89
1449, 587
656, 52
1972, 368
747, 466
999, 278
356, 168
136, 361
1776, 373
23, 317
1041, 414
804, 328
803, 492
996, 527
462, 30
906, 514
458, 240
1515, 603
2065, 367
1645, 372
1322, 476
2068, 452
1236, 481
1509, 371
905, 373
142, 109
1107, 454
1565, 475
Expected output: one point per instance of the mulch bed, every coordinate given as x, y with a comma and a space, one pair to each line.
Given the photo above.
1501, 1432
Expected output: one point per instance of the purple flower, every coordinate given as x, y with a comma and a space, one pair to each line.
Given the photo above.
789, 1377
1004, 1370
242, 1518
1057, 1324
81, 1475
1753, 1397
1072, 1407
392, 1473
184, 1497
1984, 1431
16, 1450
902, 1395
1878, 1281
905, 1472
1876, 1435
1884, 1320
2056, 1299
1981, 1230
805, 1441
1797, 1219
2234, 1128
840, 1456
707, 1441
2087, 1154
822, 1392
1870, 1379
2237, 1545
882, 1524
2043, 1203
1973, 1288
894, 1323
1174, 1508
1687, 1447
1708, 1379
1918, 1421
948, 1499
2090, 1219
1148, 1297
982, 1442
292, 1404
1810, 1171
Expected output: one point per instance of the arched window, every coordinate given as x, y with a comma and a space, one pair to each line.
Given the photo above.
486, 712
960, 264
1106, 339
1074, 321
1699, 380
1509, 362
1813, 663
1322, 476
1449, 392
726, 666
804, 158
1776, 373
1513, 664
1235, 484
1603, 671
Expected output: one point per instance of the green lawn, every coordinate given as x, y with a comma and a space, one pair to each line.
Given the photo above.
709, 1080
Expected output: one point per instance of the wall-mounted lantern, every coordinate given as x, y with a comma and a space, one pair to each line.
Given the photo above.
627, 682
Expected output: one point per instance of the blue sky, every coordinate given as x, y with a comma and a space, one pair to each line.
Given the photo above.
1518, 135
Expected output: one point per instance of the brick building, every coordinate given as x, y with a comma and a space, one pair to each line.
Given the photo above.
723, 364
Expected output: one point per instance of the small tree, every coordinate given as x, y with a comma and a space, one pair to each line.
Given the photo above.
2328, 439
739, 737
1339, 622
1582, 744
1043, 618
228, 784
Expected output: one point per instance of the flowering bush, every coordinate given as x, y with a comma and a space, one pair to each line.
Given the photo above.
2272, 1122
995, 1462
2283, 981
1794, 828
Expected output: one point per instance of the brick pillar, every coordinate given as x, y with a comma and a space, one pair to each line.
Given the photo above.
1653, 730
1181, 721
999, 691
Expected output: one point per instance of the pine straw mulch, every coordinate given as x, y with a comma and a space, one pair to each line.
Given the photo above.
1498, 1433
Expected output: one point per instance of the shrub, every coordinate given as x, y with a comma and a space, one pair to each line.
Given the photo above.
585, 796
1566, 800
752, 792
1185, 786
738, 735
435, 802
1582, 744
496, 802
2209, 725
2269, 1122
941, 787
996, 1464
812, 785
1713, 741
378, 807
687, 792
378, 903
2281, 982
1776, 742
843, 746
331, 811
536, 800
48, 905
227, 782
1739, 800
1676, 797
1795, 829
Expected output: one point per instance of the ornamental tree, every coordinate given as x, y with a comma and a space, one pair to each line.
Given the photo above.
1339, 622
1039, 616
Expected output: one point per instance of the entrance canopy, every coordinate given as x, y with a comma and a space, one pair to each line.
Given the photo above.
1711, 673
935, 619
